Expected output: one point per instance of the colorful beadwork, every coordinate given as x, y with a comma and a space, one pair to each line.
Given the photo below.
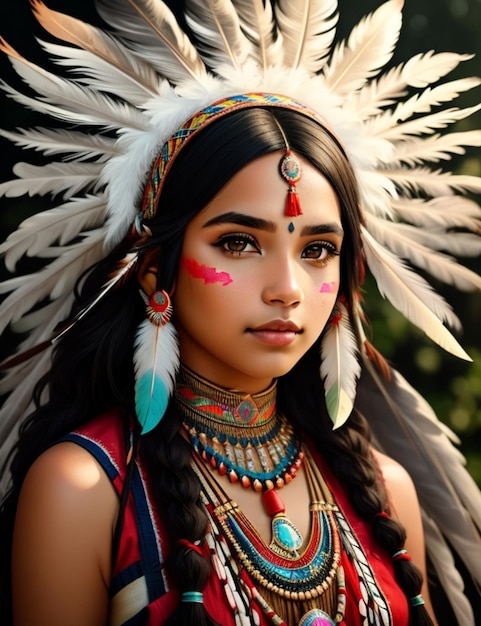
202, 118
242, 437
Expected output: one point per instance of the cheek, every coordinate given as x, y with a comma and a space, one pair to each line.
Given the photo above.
209, 275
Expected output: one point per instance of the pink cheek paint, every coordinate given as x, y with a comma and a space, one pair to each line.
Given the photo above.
328, 287
208, 274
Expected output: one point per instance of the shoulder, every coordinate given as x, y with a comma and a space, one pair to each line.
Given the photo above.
398, 482
67, 488
66, 515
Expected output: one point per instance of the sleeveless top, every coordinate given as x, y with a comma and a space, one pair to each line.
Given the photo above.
140, 592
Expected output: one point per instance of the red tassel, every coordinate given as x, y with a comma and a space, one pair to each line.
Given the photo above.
293, 204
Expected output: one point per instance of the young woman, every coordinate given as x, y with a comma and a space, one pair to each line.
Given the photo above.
184, 468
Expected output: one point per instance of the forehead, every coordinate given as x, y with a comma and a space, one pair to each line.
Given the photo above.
259, 189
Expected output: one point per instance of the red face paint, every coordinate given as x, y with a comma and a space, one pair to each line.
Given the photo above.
328, 287
208, 274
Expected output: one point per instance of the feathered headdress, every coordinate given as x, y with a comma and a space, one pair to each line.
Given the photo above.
145, 80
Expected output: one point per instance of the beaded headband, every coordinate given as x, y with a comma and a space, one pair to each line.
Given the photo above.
289, 166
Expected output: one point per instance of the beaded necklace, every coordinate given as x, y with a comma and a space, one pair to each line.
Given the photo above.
291, 581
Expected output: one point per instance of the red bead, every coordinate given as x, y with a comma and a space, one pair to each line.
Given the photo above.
245, 482
213, 462
273, 503
287, 478
222, 469
233, 477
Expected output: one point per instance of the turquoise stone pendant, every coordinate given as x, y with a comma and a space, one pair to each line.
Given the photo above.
285, 535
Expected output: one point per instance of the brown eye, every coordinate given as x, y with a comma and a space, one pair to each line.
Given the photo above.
237, 244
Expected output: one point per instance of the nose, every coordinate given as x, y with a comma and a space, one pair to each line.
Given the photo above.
283, 284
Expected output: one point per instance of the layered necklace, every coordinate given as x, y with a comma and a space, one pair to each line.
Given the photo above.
244, 439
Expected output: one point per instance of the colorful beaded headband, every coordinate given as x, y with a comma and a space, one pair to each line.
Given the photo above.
290, 167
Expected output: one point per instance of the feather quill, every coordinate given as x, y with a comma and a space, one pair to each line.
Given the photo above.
156, 360
409, 293
369, 47
308, 30
150, 30
340, 366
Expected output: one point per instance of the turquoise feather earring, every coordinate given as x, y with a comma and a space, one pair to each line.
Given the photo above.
156, 360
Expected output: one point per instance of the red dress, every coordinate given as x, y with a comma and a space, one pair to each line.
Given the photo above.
140, 590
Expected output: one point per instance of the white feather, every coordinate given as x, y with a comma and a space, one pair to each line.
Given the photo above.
432, 182
369, 47
420, 71
444, 565
98, 74
102, 54
62, 223
76, 145
256, 19
411, 243
387, 127
216, 26
150, 30
443, 212
52, 281
55, 178
308, 30
156, 361
433, 149
409, 293
432, 96
340, 367
67, 100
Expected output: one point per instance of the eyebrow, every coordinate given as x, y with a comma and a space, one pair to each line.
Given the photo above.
256, 222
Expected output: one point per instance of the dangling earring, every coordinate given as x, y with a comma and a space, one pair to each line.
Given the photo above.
156, 360
340, 366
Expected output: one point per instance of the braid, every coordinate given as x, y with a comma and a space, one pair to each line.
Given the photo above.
176, 491
347, 451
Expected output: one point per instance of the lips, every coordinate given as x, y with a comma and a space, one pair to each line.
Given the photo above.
276, 333
280, 326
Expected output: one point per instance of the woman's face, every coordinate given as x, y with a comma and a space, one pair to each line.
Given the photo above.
255, 288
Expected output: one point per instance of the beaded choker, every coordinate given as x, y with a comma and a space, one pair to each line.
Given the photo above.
239, 435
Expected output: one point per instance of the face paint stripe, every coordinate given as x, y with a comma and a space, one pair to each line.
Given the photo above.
328, 287
208, 274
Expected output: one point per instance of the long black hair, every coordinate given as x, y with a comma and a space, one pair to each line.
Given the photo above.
99, 350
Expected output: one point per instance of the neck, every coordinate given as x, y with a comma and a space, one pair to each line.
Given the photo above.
197, 398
